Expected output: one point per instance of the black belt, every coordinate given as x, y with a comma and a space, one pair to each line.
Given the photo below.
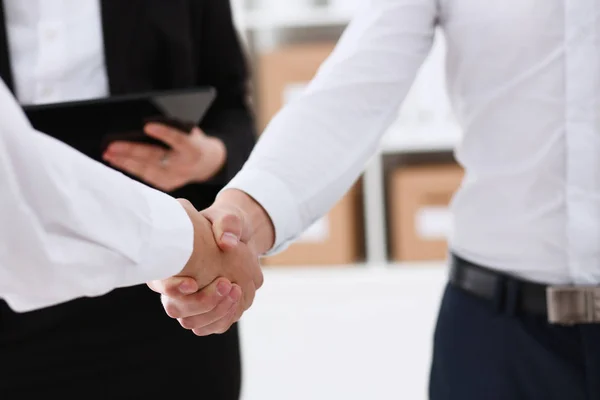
561, 305
526, 297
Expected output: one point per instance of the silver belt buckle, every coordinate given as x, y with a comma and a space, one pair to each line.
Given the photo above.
573, 305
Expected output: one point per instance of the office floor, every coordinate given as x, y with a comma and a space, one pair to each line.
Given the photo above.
351, 334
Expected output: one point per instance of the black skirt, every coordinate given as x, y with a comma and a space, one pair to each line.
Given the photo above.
118, 346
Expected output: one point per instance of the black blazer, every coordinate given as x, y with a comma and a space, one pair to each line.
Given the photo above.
173, 44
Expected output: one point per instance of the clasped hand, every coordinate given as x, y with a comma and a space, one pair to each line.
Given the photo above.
219, 282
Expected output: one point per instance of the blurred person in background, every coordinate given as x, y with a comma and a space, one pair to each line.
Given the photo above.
520, 317
61, 50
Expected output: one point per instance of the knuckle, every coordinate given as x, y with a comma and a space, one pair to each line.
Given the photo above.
249, 296
221, 327
171, 291
188, 323
236, 316
231, 220
171, 309
200, 332
221, 331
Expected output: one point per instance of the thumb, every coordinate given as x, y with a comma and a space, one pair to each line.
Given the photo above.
175, 287
227, 226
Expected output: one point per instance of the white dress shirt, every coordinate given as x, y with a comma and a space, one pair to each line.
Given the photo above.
524, 80
56, 50
71, 227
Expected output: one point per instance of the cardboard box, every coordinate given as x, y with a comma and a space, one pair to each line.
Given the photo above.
420, 219
282, 74
336, 239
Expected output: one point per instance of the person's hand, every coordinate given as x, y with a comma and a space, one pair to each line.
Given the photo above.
237, 222
192, 158
237, 217
221, 302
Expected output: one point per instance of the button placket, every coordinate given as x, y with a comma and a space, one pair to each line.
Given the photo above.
52, 53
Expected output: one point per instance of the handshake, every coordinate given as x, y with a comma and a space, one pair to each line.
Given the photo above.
220, 280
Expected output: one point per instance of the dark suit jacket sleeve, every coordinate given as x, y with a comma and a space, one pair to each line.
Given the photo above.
223, 65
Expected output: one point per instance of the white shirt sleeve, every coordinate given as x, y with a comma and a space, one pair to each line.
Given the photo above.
317, 146
71, 227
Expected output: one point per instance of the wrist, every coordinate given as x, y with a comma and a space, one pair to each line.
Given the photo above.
258, 230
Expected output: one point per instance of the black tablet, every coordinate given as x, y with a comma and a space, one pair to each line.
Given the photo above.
89, 125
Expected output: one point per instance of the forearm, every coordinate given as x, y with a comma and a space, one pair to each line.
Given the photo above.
317, 146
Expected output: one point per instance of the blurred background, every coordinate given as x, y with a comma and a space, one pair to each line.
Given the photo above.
348, 312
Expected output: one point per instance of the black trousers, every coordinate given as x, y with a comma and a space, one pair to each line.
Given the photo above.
485, 350
119, 346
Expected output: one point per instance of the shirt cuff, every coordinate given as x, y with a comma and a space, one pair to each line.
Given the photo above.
169, 243
278, 201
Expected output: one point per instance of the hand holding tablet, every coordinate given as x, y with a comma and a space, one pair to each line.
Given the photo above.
91, 125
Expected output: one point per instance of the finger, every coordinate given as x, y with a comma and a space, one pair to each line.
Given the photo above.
218, 327
227, 226
255, 271
258, 276
187, 205
223, 310
176, 286
141, 152
198, 303
173, 137
131, 165
225, 323
249, 294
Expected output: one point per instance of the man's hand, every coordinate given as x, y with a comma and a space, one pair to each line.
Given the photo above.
219, 304
237, 217
238, 224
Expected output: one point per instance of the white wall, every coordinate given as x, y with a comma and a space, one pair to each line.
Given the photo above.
346, 334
